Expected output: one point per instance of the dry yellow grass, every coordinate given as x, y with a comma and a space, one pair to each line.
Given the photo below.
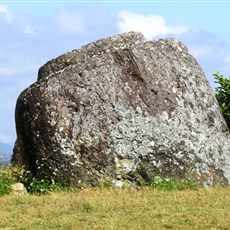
118, 209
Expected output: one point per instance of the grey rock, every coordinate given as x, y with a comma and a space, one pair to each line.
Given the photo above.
123, 108
18, 189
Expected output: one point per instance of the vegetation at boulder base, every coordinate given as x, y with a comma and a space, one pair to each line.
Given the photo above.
222, 94
13, 174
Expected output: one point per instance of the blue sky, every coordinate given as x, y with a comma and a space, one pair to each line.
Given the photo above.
34, 32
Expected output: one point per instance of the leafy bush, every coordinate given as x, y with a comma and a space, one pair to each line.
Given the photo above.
222, 94
13, 174
5, 185
39, 186
8, 177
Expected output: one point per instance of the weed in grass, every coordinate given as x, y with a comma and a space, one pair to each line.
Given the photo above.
167, 184
171, 184
87, 207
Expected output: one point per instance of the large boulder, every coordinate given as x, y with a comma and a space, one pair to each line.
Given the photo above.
123, 109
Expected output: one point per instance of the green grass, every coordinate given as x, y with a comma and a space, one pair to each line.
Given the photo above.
146, 208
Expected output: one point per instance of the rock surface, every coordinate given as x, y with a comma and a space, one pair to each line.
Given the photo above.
123, 108
18, 189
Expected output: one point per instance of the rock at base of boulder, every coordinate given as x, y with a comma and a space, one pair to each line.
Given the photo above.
18, 189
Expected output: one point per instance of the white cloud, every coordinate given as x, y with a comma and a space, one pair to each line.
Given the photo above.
150, 26
29, 30
212, 53
6, 14
71, 22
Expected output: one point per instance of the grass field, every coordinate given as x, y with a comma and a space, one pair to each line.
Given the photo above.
118, 209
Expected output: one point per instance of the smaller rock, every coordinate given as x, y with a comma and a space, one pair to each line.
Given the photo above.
18, 189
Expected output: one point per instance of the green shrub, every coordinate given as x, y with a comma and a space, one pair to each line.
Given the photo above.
39, 186
171, 184
167, 184
5, 185
13, 174
7, 178
222, 94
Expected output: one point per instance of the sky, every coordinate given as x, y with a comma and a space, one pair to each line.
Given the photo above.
33, 32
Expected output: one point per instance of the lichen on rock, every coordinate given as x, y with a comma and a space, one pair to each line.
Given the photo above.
119, 109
